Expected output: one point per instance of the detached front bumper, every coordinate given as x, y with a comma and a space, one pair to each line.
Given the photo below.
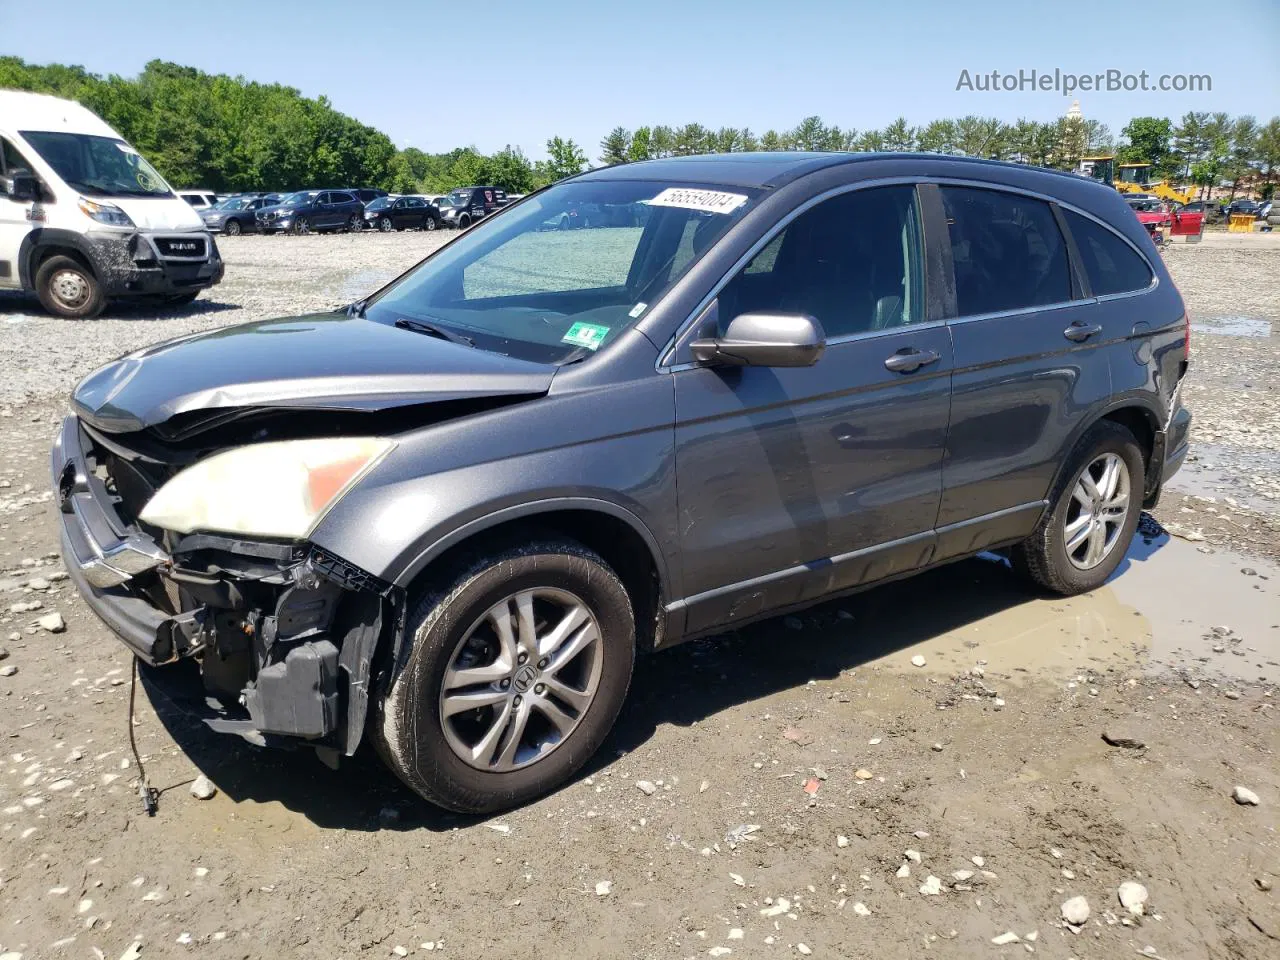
284, 634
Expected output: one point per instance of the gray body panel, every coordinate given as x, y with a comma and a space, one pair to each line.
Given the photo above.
754, 489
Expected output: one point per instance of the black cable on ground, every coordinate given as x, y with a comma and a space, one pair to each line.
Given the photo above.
150, 796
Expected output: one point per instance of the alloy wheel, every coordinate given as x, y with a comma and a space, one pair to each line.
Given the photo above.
232, 229
521, 679
1097, 511
385, 224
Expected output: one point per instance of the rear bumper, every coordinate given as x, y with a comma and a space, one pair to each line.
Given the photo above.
1177, 443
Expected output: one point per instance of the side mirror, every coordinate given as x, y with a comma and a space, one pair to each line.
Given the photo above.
765, 340
21, 187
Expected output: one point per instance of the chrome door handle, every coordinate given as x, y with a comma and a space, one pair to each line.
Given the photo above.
1081, 331
910, 360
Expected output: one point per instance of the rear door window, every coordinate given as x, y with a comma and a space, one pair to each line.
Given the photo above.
1110, 263
1007, 251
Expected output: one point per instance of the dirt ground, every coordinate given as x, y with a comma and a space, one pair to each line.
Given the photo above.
812, 785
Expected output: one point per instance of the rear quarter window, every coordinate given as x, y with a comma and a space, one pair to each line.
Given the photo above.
1111, 264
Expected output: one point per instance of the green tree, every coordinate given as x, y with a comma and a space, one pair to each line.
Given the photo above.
938, 136
662, 142
615, 147
899, 136
640, 148
1244, 151
564, 159
772, 141
1149, 140
510, 169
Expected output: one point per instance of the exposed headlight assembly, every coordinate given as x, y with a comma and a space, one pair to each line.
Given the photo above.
277, 489
107, 213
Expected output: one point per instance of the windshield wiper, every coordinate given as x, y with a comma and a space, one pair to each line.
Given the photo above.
420, 326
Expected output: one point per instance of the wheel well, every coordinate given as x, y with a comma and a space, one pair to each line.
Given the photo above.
615, 540
1141, 423
41, 254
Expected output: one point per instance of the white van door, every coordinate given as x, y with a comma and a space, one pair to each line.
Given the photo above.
15, 218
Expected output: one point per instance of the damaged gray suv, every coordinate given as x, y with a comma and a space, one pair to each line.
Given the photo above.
448, 517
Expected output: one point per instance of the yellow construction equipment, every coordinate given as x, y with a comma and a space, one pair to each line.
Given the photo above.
1240, 223
1130, 178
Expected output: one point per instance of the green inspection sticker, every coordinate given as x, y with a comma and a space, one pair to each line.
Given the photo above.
589, 335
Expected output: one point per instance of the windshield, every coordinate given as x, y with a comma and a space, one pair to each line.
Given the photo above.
298, 199
542, 281
378, 204
98, 166
232, 203
459, 198
443, 202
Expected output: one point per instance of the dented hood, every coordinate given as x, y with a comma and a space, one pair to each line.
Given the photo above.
325, 362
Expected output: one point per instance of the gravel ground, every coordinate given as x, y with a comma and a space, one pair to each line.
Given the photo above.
806, 805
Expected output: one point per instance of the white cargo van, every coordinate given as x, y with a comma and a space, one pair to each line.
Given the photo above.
83, 217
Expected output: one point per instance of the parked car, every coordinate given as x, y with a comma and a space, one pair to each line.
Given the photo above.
84, 217
309, 210
366, 194
401, 213
466, 205
200, 199
1243, 206
1152, 214
1209, 209
235, 215
448, 517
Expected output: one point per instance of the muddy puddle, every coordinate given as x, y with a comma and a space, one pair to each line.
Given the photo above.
1232, 326
1169, 607
1218, 471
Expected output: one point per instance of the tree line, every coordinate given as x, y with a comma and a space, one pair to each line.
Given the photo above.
1206, 149
229, 133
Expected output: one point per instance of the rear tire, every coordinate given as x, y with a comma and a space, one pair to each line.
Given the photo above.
454, 629
67, 288
1055, 556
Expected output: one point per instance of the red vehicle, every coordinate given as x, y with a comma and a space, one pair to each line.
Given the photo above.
1164, 220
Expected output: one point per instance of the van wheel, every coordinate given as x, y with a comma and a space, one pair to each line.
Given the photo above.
463, 222
1093, 514
68, 288
515, 671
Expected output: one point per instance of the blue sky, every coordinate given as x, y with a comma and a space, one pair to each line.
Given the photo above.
438, 75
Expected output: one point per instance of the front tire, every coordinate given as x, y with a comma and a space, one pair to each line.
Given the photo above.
515, 671
232, 228
1094, 511
463, 222
385, 225
301, 226
68, 288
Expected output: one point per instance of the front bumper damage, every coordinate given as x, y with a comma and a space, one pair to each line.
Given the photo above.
284, 634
